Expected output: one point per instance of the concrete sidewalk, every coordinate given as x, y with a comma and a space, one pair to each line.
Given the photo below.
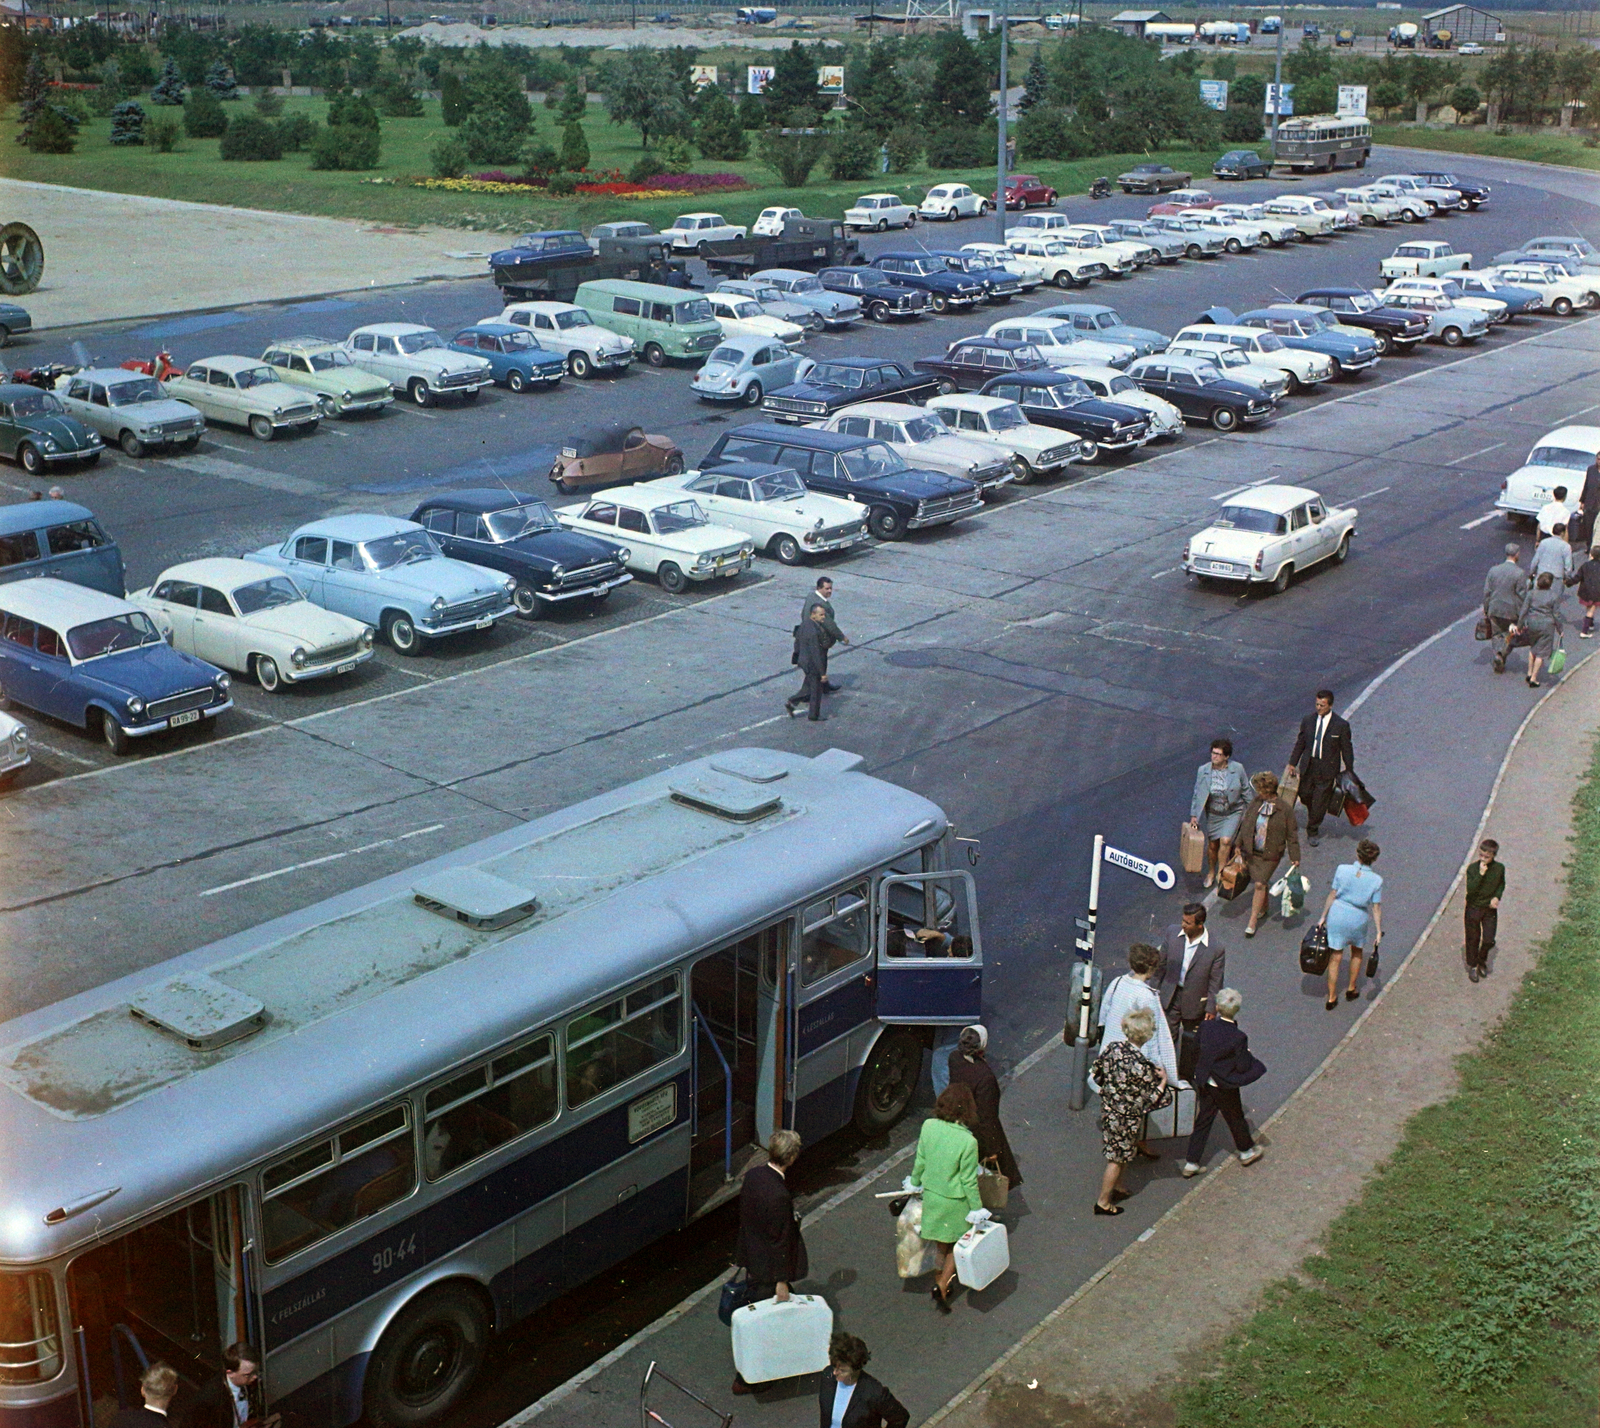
109, 256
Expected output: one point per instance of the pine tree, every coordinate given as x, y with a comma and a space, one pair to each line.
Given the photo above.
170, 87
881, 98
961, 84
453, 106
220, 81
35, 98
127, 123
719, 133
574, 148
1034, 87
51, 133
793, 87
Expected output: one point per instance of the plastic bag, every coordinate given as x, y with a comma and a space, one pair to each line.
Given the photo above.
913, 1255
1290, 890
1558, 661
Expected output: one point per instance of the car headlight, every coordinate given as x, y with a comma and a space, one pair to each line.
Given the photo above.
224, 684
19, 740
298, 658
703, 560
135, 705
366, 638
277, 411
438, 604
349, 396
49, 443
558, 571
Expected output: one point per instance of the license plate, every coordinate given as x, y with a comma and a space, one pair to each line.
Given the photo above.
345, 668
1217, 565
728, 574
570, 452
191, 717
485, 622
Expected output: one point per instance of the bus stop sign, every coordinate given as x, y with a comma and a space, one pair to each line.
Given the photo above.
1158, 873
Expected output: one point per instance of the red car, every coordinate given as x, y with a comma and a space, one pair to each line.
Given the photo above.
1028, 191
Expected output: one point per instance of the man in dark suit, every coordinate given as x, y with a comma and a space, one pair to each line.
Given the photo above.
811, 655
157, 1385
1188, 982
1322, 752
1225, 1065
770, 1248
832, 635
228, 1400
866, 1402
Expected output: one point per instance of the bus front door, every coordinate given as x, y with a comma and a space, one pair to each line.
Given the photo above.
929, 953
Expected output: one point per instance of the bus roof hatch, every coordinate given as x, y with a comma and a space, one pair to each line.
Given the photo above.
199, 1010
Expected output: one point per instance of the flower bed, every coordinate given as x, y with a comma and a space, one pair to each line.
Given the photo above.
607, 183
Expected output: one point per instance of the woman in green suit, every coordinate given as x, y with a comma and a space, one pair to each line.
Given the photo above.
947, 1170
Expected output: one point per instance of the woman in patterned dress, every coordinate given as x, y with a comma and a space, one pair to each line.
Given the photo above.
1129, 1086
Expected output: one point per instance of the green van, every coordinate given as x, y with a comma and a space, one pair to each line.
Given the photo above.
663, 322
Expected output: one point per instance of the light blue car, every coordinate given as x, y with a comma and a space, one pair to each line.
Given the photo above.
745, 369
390, 573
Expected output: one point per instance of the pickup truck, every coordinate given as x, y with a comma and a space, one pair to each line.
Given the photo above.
556, 276
1423, 260
805, 243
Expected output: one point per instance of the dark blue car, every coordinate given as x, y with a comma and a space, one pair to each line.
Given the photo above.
13, 320
999, 285
535, 255
514, 355
931, 275
519, 536
90, 659
1312, 329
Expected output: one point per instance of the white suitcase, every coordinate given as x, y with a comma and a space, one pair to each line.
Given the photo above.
1174, 1120
983, 1254
773, 1340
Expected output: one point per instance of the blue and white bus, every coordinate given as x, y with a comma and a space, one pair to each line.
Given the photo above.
370, 1134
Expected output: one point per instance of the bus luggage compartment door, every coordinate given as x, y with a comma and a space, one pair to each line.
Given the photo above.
930, 955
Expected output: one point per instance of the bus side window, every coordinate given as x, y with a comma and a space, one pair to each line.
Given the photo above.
320, 1189
474, 1113
836, 934
615, 1042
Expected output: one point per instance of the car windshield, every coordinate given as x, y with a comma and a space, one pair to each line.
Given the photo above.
266, 595
679, 516
400, 549
566, 321
1007, 418
255, 377
1106, 320
328, 359
1206, 375
517, 521
116, 632
1247, 518
420, 341
1227, 357
1364, 302
1070, 390
1025, 355
779, 486
825, 374
746, 309
1324, 320
127, 394
806, 285
1563, 457
1269, 342
32, 404
1057, 249
925, 429
869, 461
699, 310
1120, 384
517, 341
924, 266
731, 355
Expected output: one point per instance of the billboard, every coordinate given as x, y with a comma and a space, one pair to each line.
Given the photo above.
701, 75
830, 79
1280, 97
1353, 100
1214, 92
757, 77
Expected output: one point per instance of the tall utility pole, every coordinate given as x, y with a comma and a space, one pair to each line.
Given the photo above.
1000, 110
1277, 90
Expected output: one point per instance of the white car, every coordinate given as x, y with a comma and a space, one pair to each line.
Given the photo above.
250, 618
951, 201
1061, 344
1143, 254
1311, 216
14, 755
1370, 206
1559, 459
774, 302
1037, 225
1443, 200
1028, 272
923, 442
1120, 257
1472, 48
1344, 218
1265, 534
772, 506
695, 232
667, 534
1033, 450
562, 327
1414, 208
769, 224
1062, 263
1237, 237
1495, 309
741, 316
1427, 259
417, 361
1239, 365
1268, 227
880, 211
1558, 292
1303, 368
1114, 386
243, 391
1447, 323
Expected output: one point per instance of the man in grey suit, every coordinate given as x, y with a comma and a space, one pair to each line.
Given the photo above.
832, 635
1188, 982
1503, 589
811, 655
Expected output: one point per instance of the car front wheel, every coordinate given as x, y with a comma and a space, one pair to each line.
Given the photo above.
886, 524
260, 428
1192, 251
674, 464
946, 386
267, 673
1562, 307
1385, 343
654, 354
1021, 471
524, 600
940, 303
401, 633
1063, 279
1451, 337
1233, 245
31, 461
420, 392
578, 365
130, 444
672, 579
115, 740
1224, 418
516, 381
786, 548
879, 312
883, 225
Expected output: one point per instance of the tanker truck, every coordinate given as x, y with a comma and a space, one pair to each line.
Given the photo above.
1403, 37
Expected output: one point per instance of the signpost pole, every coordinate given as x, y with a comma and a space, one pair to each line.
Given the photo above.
1077, 1083
1277, 90
1000, 158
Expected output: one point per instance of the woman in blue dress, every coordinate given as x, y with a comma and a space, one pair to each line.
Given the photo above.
1354, 900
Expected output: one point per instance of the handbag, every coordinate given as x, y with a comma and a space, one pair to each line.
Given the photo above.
1355, 810
1558, 661
1314, 952
1290, 889
994, 1189
736, 1293
1372, 962
1289, 785
1234, 878
1483, 630
1191, 848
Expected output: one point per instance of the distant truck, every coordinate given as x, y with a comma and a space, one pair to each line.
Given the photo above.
1440, 39
805, 243
1272, 24
1225, 32
1345, 38
1403, 37
556, 279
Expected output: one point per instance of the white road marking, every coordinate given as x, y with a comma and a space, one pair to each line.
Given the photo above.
416, 411
1378, 492
317, 862
1240, 490
1481, 521
1167, 571
1468, 457
61, 753
1582, 412
221, 467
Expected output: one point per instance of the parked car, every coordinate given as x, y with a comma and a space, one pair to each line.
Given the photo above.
1052, 398
1311, 329
695, 232
1345, 218
1412, 207
1496, 310
98, 662
1442, 199
999, 285
880, 211
1166, 419
740, 316
1580, 250
1447, 323
769, 223
568, 329
1423, 259
1372, 208
1153, 178
970, 361
834, 308
1168, 246
772, 506
1472, 47
1241, 164
324, 367
1120, 258
1024, 191
624, 229
1254, 218
1061, 344
516, 358
951, 201
14, 754
1141, 254
535, 254
664, 323
1237, 237
252, 619
242, 391
898, 498
1556, 258
130, 409
1555, 291
1392, 328
741, 369
1264, 535
1033, 451
1037, 225
390, 574
880, 299
924, 442
13, 319
1200, 391
774, 301
1064, 264
843, 381
518, 536
1249, 367
1026, 272
614, 453
415, 360
665, 533
931, 275
1198, 240
1558, 458
60, 539
1105, 324
1302, 369
1181, 200
1311, 216
1491, 286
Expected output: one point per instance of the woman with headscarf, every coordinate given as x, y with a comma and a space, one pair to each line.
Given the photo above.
969, 1068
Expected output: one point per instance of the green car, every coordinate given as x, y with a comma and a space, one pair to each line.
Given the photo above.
325, 368
38, 432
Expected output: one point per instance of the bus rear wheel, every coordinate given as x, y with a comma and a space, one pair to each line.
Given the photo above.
427, 1359
887, 1081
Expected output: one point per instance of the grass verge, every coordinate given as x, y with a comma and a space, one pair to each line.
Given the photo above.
1462, 1287
1535, 148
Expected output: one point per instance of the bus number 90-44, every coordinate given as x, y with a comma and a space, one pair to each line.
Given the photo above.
391, 1255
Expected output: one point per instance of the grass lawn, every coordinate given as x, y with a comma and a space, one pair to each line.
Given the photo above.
195, 172
1464, 1287
1548, 148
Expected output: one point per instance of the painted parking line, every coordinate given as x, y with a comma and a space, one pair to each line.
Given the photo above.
318, 862
1468, 457
1369, 494
1481, 521
220, 466
1168, 571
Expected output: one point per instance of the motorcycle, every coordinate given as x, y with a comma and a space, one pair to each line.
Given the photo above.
160, 368
1100, 188
44, 377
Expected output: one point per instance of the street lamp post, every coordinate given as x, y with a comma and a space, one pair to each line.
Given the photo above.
1000, 111
1277, 91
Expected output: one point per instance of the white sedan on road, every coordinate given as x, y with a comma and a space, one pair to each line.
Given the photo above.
1268, 227
1033, 450
771, 220
564, 327
666, 533
880, 211
690, 231
742, 316
951, 201
924, 442
1263, 535
250, 618
1558, 292
1559, 459
772, 506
